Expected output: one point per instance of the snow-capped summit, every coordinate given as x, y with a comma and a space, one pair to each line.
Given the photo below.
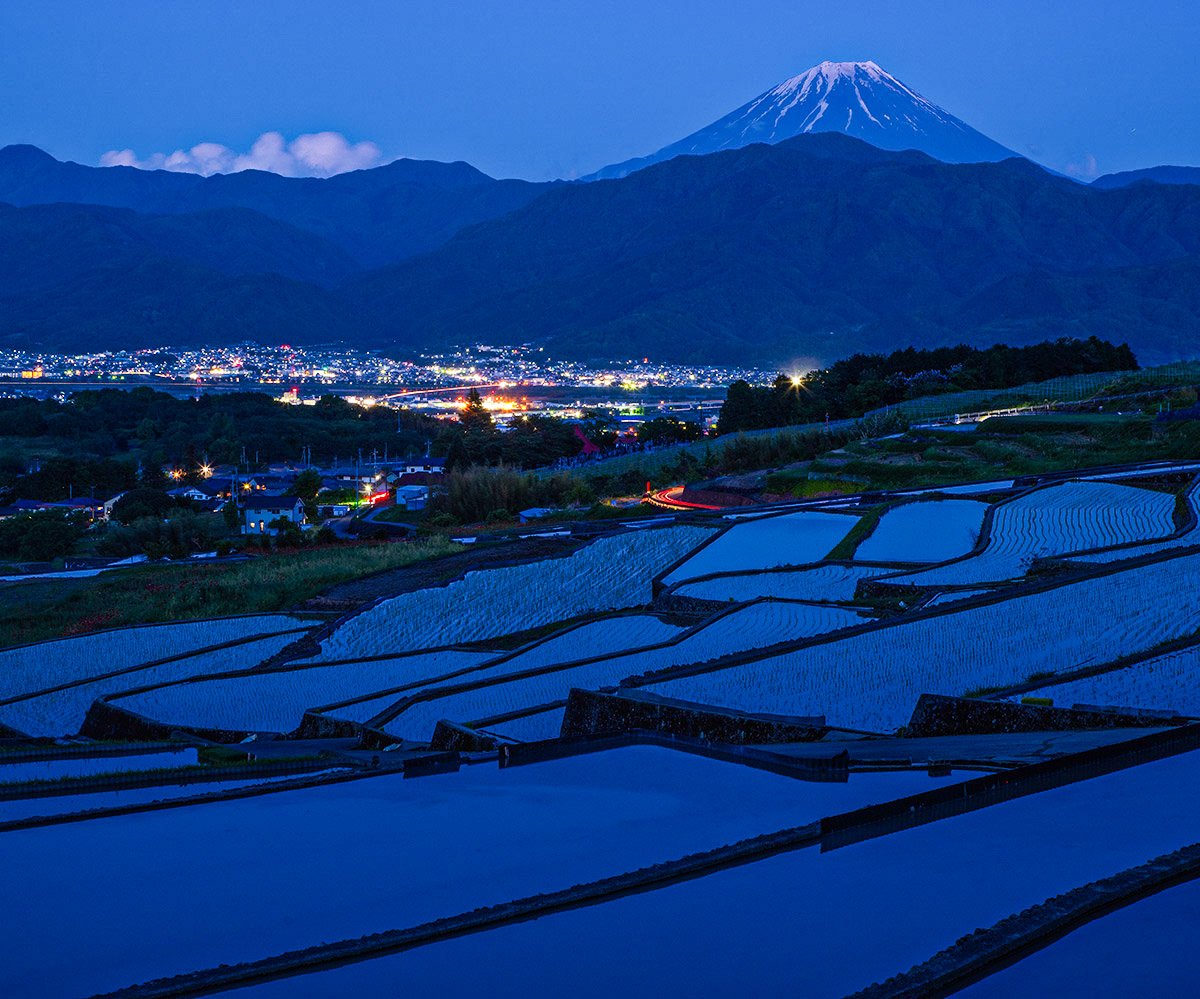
857, 98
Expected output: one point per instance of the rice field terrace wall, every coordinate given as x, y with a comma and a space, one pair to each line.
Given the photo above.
869, 677
449, 737
49, 750
838, 831
834, 768
939, 715
268, 785
107, 721
591, 712
153, 778
985, 951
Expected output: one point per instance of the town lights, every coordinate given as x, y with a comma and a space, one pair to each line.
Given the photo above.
206, 471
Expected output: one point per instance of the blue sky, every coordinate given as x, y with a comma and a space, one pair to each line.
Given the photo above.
543, 89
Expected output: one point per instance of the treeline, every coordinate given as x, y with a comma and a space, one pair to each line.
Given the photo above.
103, 442
157, 428
477, 494
534, 441
863, 382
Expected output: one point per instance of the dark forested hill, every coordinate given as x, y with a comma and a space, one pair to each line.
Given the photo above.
44, 245
76, 277
816, 247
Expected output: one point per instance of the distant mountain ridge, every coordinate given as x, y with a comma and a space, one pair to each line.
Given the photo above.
858, 99
1154, 175
377, 216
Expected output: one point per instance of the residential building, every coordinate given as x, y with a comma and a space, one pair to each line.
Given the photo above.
259, 512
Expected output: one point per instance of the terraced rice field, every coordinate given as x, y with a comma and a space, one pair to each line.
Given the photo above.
1046, 522
1186, 540
611, 635
925, 531
276, 701
872, 680
364, 856
757, 626
27, 669
609, 574
61, 712
789, 539
1169, 682
823, 582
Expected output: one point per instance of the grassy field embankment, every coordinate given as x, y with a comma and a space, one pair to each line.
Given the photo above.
41, 609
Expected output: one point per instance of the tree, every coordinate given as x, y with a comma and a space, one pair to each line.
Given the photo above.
42, 536
480, 436
474, 416
739, 411
668, 430
306, 487
139, 503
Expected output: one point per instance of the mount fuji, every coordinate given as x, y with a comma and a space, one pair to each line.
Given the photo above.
856, 98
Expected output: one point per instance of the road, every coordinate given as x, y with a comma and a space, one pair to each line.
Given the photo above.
669, 499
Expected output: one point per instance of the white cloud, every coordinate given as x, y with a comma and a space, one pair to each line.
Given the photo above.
318, 154
1083, 168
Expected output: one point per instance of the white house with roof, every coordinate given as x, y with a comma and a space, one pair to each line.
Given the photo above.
258, 513
431, 466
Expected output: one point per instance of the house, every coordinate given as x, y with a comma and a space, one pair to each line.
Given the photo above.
535, 513
411, 497
94, 508
259, 512
415, 479
200, 492
350, 474
109, 504
431, 466
273, 485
